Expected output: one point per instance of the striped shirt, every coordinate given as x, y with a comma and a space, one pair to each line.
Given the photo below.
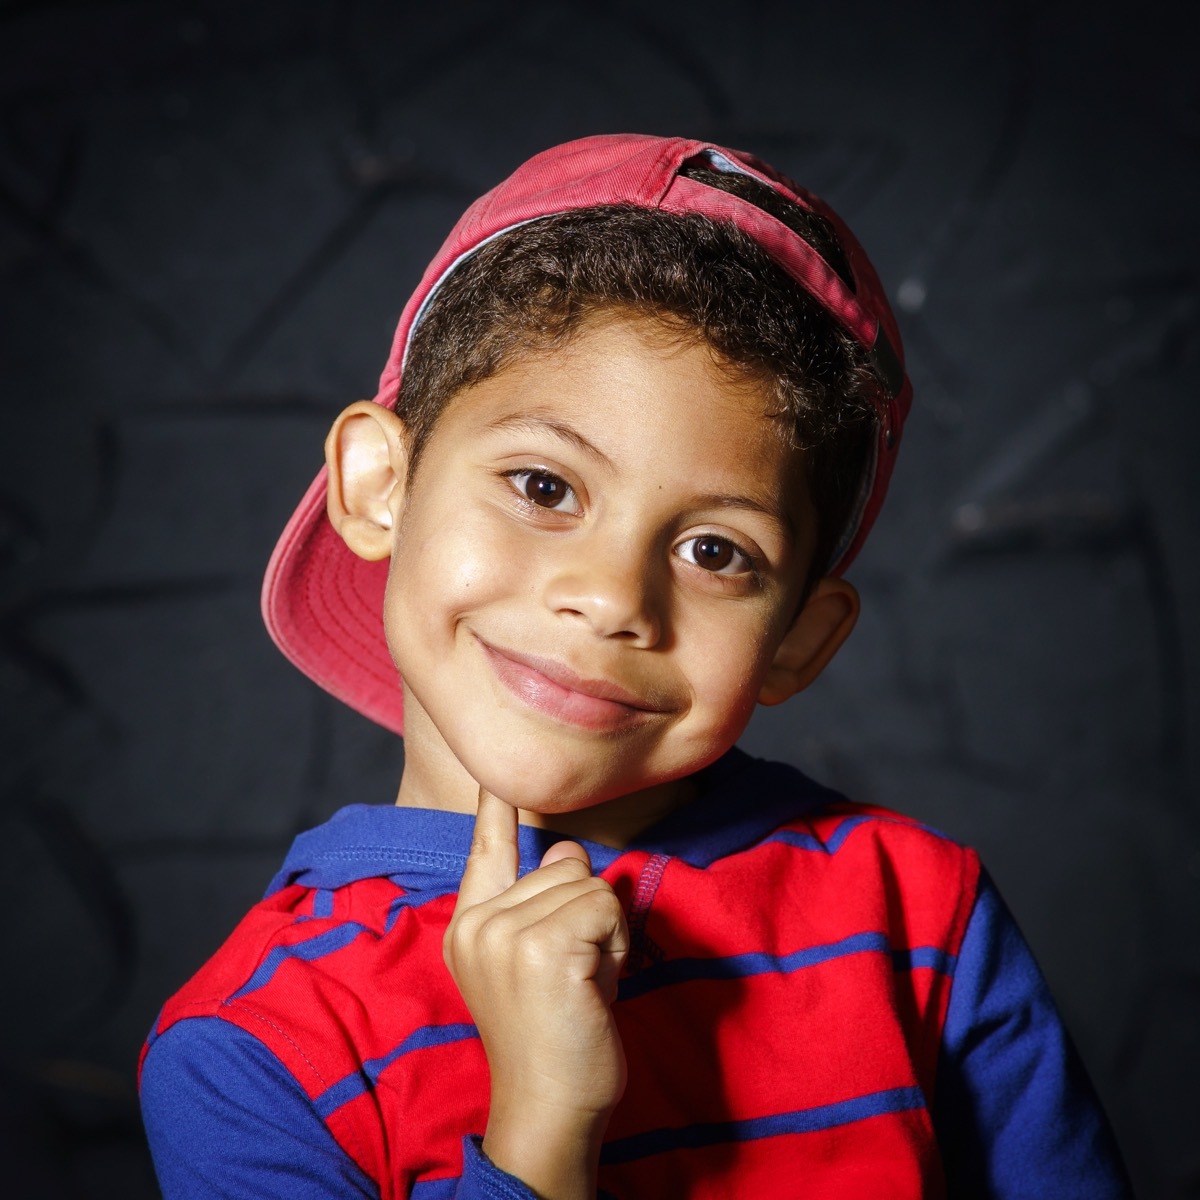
823, 999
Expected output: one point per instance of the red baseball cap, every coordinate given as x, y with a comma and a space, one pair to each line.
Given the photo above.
323, 605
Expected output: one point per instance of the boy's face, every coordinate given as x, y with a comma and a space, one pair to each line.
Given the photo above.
593, 568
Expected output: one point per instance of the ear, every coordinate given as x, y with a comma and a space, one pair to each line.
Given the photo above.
367, 456
816, 635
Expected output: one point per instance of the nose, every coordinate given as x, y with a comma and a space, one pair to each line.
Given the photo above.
613, 587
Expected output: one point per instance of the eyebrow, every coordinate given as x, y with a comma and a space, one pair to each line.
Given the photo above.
772, 512
535, 422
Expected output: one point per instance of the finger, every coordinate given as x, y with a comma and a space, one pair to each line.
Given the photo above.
601, 943
561, 850
575, 865
566, 870
588, 927
494, 859
526, 903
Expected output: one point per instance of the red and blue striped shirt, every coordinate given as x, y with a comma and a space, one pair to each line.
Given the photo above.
823, 999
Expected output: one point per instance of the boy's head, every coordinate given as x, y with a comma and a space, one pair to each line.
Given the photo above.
684, 267
531, 289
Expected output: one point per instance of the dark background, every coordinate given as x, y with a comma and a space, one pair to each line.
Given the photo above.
210, 217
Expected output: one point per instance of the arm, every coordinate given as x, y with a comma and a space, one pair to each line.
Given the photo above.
1015, 1113
536, 961
224, 1118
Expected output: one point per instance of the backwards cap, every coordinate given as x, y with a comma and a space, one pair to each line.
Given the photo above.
323, 605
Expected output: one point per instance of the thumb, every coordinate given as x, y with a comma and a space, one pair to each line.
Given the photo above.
561, 850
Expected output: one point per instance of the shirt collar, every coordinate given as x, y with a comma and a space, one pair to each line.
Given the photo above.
740, 801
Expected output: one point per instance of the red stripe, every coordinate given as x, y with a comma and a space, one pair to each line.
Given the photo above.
701, 1051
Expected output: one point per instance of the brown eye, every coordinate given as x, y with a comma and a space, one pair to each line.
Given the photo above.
545, 490
716, 554
713, 553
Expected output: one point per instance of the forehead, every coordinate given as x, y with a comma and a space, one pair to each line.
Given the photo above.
646, 403
637, 377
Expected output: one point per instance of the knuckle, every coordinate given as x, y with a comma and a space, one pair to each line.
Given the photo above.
604, 902
606, 908
600, 891
452, 952
466, 932
570, 868
452, 940
493, 936
463, 927
531, 949
481, 845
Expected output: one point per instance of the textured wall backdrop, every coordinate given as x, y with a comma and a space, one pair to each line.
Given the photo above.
210, 216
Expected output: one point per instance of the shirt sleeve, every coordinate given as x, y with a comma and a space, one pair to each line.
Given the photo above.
225, 1119
483, 1180
1015, 1113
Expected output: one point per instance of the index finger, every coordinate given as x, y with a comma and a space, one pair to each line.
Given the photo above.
492, 864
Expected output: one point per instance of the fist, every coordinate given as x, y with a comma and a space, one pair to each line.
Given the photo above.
537, 962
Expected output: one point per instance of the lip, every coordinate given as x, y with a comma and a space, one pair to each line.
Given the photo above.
552, 688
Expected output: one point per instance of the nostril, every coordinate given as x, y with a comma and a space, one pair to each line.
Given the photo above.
612, 605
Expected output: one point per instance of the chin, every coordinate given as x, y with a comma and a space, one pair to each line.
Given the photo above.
550, 797
554, 788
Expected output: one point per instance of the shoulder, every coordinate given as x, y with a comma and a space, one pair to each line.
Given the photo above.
867, 853
249, 1062
837, 822
270, 923
291, 974
1014, 1109
224, 1117
747, 806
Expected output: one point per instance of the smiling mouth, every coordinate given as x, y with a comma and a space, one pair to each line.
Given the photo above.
552, 688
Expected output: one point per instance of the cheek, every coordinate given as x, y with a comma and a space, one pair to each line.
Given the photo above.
728, 669
442, 570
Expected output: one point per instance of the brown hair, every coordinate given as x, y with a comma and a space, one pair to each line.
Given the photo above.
531, 288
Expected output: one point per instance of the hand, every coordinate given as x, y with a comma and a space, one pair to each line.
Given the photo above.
536, 961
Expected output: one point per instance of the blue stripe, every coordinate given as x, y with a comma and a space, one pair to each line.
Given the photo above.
313, 948
351, 1086
322, 903
415, 899
930, 957
810, 841
805, 1120
739, 966
742, 966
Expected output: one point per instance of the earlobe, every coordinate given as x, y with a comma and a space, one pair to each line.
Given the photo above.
366, 454
816, 635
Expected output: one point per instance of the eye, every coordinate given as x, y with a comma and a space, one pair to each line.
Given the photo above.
716, 554
545, 490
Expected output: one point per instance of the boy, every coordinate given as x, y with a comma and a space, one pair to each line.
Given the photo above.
638, 417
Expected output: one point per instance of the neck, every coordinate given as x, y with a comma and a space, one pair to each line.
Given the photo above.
434, 778
616, 822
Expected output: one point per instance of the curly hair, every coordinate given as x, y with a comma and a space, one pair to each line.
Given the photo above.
533, 287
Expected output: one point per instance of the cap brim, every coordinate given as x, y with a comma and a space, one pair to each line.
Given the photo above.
323, 606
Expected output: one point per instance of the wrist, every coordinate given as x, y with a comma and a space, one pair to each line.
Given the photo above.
555, 1151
